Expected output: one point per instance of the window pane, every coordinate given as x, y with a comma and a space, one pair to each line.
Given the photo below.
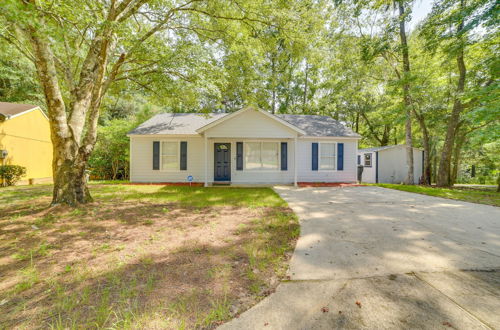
169, 155
368, 159
327, 149
327, 163
169, 163
252, 155
270, 155
169, 148
327, 156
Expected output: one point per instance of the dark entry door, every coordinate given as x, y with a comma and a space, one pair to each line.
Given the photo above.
222, 164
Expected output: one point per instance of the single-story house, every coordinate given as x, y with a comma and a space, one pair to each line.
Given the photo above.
25, 141
249, 146
388, 164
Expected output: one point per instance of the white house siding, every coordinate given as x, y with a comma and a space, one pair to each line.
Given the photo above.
253, 176
247, 126
368, 172
392, 166
141, 160
251, 124
305, 172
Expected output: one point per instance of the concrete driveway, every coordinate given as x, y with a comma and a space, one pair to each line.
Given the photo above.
377, 258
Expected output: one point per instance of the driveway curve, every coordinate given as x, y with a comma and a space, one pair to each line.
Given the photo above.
371, 257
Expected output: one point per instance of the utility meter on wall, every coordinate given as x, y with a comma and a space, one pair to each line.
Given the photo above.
3, 154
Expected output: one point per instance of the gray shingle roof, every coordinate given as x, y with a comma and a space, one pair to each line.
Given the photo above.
175, 123
188, 123
319, 125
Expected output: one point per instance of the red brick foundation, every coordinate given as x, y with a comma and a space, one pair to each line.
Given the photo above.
329, 184
172, 184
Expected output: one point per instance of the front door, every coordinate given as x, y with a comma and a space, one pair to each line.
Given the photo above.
222, 164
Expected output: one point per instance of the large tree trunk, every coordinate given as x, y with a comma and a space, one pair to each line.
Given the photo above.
70, 184
426, 171
434, 163
406, 94
72, 144
457, 150
443, 176
68, 174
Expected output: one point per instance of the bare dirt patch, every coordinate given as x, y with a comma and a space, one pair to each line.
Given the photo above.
136, 263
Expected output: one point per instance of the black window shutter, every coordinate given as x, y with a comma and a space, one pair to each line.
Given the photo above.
184, 147
239, 156
359, 160
156, 155
340, 157
315, 156
284, 156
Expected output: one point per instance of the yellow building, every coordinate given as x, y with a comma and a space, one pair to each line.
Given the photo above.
25, 135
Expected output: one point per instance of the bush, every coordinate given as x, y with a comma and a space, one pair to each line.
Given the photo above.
12, 173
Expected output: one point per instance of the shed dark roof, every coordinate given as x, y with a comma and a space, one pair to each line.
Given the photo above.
11, 109
188, 123
384, 148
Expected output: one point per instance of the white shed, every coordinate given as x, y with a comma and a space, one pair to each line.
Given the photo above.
388, 164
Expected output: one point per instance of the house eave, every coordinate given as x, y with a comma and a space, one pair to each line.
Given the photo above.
309, 137
164, 135
237, 113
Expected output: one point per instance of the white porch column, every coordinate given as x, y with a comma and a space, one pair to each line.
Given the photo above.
295, 161
206, 160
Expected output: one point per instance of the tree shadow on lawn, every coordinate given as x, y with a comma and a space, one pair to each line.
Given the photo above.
195, 197
142, 264
16, 194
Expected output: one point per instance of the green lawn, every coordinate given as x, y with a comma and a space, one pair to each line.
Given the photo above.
140, 256
481, 195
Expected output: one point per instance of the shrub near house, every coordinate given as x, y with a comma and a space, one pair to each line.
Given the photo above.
11, 174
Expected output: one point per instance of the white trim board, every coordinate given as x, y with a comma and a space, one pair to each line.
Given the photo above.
8, 117
239, 112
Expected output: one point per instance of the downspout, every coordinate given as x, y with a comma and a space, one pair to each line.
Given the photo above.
376, 166
206, 159
295, 161
423, 164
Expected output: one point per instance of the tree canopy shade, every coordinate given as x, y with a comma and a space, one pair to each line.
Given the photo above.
99, 62
81, 48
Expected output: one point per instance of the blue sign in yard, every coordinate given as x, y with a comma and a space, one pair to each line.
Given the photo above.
190, 178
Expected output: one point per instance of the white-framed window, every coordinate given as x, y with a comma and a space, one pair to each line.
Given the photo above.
169, 155
368, 160
261, 155
327, 155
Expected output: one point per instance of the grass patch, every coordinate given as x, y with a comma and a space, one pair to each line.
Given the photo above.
140, 256
474, 195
